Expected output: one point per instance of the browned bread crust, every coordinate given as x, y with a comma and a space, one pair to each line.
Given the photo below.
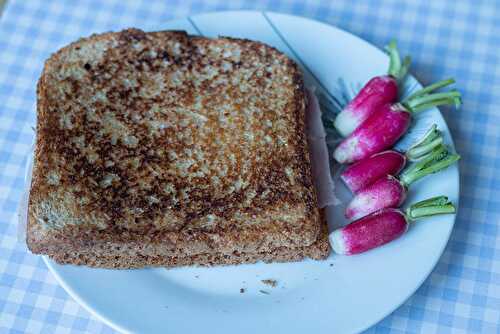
129, 255
167, 139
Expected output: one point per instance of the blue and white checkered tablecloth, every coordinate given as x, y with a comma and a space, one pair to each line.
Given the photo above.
460, 39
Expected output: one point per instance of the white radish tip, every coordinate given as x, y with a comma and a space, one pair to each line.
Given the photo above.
337, 242
341, 154
345, 123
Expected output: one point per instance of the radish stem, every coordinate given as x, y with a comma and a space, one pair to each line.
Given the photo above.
430, 207
397, 69
394, 59
419, 152
436, 161
430, 88
425, 145
404, 69
420, 103
438, 200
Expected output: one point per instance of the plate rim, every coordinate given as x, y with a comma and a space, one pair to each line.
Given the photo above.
75, 295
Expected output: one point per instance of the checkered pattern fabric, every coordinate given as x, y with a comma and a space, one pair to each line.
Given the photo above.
458, 39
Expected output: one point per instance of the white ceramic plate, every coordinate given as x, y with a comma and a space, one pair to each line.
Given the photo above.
339, 295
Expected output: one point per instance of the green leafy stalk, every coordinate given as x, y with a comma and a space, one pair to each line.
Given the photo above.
420, 152
424, 102
404, 69
397, 69
437, 153
431, 88
436, 161
433, 201
430, 207
394, 59
425, 145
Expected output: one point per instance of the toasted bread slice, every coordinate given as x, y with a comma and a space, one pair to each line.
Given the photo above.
165, 145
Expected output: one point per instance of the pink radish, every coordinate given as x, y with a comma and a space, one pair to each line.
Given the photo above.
361, 174
377, 133
387, 192
384, 127
375, 93
390, 192
384, 226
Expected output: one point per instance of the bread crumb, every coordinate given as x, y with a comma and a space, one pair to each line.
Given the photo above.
270, 282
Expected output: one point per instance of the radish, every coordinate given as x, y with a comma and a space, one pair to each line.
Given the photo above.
384, 226
387, 192
363, 173
375, 93
390, 192
384, 127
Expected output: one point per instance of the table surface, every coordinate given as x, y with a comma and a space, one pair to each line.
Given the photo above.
459, 39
